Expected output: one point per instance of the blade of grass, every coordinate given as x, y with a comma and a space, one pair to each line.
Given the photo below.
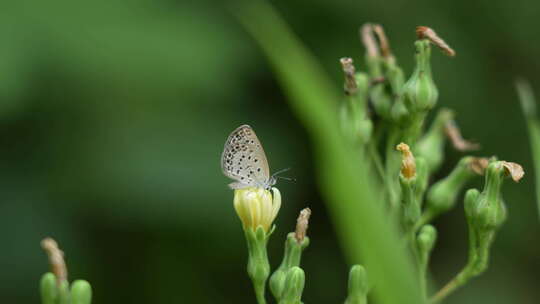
364, 230
528, 104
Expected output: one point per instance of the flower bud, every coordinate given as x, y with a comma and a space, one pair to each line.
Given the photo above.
294, 286
48, 289
408, 164
81, 292
431, 145
355, 122
408, 180
426, 241
294, 245
420, 91
358, 286
442, 196
486, 212
256, 207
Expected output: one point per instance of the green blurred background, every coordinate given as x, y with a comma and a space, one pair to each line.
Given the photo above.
113, 116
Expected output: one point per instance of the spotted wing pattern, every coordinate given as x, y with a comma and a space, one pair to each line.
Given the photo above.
244, 160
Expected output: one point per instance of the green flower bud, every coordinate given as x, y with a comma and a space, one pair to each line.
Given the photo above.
81, 292
486, 212
48, 289
294, 245
378, 93
420, 91
294, 286
354, 119
425, 241
431, 145
442, 196
358, 286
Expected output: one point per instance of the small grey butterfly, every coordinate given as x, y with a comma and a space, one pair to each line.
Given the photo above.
243, 160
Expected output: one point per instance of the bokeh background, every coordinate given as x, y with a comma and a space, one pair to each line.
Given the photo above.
113, 115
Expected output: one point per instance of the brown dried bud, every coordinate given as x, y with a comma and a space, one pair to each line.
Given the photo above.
424, 32
383, 42
302, 224
408, 164
366, 35
349, 71
56, 259
458, 142
479, 164
515, 170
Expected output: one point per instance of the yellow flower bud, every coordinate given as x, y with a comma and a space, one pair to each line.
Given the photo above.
408, 164
257, 207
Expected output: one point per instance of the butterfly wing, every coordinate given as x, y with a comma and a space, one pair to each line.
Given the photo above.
243, 159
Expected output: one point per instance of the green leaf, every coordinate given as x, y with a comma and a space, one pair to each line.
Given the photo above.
366, 234
528, 104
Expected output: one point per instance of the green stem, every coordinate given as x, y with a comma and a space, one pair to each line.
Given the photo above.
259, 292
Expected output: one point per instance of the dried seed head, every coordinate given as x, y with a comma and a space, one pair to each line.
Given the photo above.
408, 164
302, 224
478, 165
56, 259
366, 35
349, 71
383, 42
515, 170
424, 32
458, 142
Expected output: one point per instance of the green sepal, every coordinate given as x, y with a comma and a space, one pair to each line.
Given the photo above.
291, 258
258, 267
81, 292
442, 196
358, 285
48, 289
431, 145
294, 286
411, 206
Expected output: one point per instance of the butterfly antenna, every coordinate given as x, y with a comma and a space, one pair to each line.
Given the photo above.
281, 171
287, 178
276, 175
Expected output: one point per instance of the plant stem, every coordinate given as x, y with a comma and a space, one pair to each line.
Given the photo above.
259, 292
451, 286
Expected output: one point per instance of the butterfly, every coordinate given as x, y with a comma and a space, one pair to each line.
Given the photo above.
243, 159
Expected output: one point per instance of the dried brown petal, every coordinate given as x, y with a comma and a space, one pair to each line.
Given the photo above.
454, 134
515, 170
383, 42
479, 164
349, 71
56, 259
424, 32
408, 163
302, 224
366, 35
